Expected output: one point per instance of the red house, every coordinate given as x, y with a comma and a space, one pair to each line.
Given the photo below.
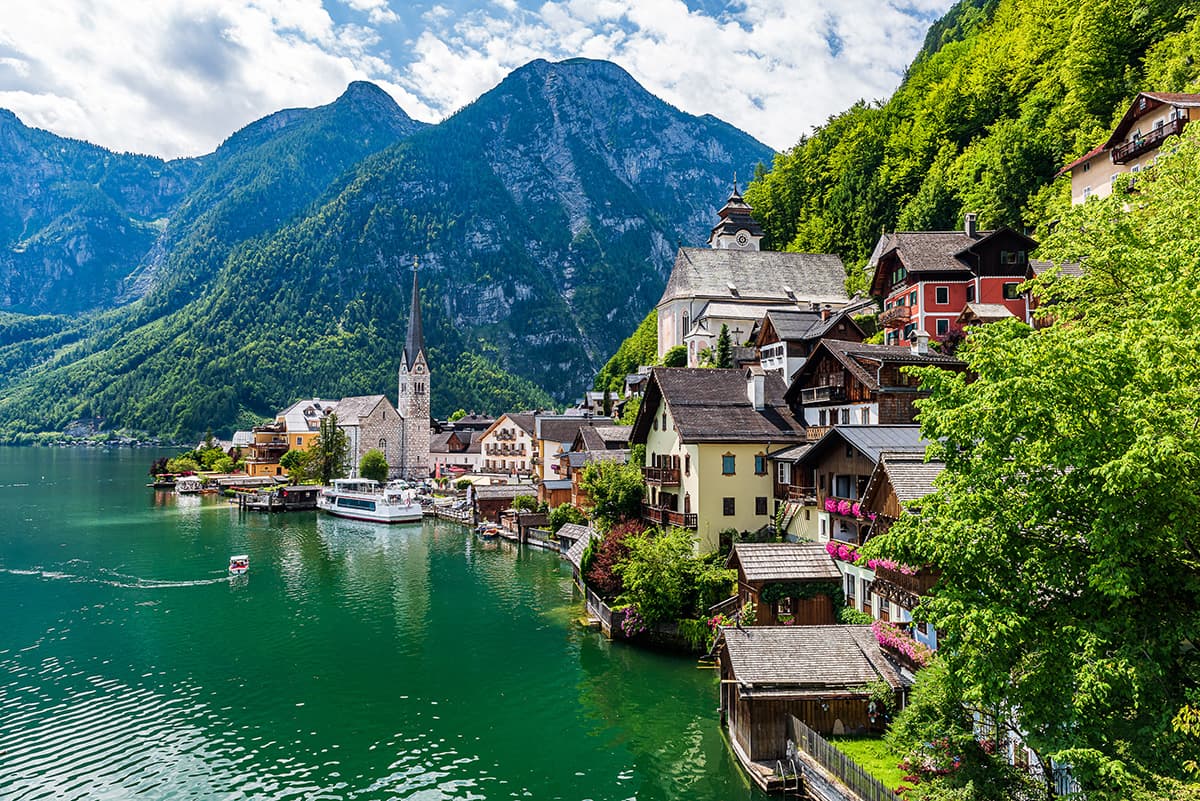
926, 278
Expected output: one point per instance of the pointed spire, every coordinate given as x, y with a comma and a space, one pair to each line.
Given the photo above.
414, 344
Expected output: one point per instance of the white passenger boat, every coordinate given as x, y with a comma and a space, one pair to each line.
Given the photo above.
239, 564
188, 485
364, 499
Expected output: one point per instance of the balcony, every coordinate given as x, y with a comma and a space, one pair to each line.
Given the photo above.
823, 394
814, 433
895, 317
661, 516
1127, 151
663, 476
903, 588
804, 495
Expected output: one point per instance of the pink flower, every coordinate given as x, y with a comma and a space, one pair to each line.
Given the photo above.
831, 548
871, 563
843, 552
843, 507
856, 510
830, 505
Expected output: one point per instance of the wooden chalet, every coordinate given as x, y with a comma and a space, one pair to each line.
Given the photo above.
852, 383
925, 278
490, 501
790, 583
785, 338
818, 674
900, 480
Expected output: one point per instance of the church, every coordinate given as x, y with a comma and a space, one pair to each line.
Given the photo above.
412, 400
734, 282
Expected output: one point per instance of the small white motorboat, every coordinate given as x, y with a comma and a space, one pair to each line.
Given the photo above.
239, 565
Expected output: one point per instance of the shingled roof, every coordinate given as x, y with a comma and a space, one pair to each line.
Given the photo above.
783, 561
563, 429
351, 410
777, 660
906, 472
756, 275
870, 441
583, 535
863, 362
711, 405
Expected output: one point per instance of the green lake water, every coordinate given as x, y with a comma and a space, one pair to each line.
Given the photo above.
353, 661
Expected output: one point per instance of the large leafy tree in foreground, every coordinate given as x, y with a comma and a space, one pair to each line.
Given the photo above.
1067, 522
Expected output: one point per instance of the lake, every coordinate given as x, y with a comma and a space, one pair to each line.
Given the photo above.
354, 661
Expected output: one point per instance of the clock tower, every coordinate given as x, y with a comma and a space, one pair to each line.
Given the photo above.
413, 400
737, 228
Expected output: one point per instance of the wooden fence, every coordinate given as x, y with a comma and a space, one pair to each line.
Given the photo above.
845, 769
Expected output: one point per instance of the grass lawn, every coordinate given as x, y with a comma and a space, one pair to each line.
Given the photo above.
872, 754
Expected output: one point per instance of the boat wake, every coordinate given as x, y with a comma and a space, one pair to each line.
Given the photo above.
113, 579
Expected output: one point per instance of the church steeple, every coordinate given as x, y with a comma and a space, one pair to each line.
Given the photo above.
737, 228
414, 344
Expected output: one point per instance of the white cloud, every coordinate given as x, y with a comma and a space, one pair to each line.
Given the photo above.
176, 77
774, 68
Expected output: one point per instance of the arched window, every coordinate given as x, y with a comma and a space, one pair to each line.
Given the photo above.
383, 447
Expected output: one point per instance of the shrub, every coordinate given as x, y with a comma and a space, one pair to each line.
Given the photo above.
524, 503
600, 575
565, 513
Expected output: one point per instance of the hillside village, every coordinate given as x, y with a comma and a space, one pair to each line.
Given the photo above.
782, 442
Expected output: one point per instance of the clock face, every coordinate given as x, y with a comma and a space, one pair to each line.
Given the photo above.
742, 239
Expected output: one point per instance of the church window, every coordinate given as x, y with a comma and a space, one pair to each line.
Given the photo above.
383, 447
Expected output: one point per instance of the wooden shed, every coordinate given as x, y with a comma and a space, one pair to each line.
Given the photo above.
787, 582
817, 673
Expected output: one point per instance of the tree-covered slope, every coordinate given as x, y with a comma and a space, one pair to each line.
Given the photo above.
1000, 97
544, 217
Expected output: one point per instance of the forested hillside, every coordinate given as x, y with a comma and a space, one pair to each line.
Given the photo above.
544, 218
1002, 95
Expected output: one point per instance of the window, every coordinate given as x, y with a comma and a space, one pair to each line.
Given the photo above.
943, 326
864, 417
941, 295
664, 421
783, 472
898, 275
687, 464
299, 440
822, 417
760, 505
383, 447
851, 583
970, 293
1087, 192
728, 464
845, 417
785, 606
727, 507
1087, 165
1010, 291
760, 465
844, 486
909, 330
912, 298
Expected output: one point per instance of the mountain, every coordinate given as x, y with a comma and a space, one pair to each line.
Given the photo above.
1001, 96
544, 218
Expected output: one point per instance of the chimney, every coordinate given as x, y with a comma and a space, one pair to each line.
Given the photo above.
969, 227
825, 312
756, 388
920, 344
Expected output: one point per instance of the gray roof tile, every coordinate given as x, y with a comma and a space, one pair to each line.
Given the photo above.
808, 657
757, 275
784, 561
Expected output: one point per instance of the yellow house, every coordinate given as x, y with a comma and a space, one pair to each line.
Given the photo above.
708, 435
295, 427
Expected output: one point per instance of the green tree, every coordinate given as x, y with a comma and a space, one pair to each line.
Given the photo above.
630, 410
183, 464
1064, 525
299, 464
525, 503
655, 572
675, 357
224, 465
374, 466
723, 353
615, 491
458, 414
565, 513
330, 451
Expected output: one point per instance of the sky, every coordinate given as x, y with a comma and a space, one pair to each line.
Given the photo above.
176, 77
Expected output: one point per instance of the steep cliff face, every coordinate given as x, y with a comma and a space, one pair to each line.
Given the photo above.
544, 217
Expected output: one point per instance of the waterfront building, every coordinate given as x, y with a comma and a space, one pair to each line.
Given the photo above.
553, 435
789, 583
370, 422
708, 435
816, 674
294, 427
742, 280
456, 450
507, 445
413, 395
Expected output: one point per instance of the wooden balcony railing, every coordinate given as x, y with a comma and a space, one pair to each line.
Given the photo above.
806, 495
661, 475
814, 433
668, 517
901, 588
895, 317
822, 394
1127, 151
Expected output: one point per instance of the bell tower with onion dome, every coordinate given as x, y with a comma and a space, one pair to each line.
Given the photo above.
737, 229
